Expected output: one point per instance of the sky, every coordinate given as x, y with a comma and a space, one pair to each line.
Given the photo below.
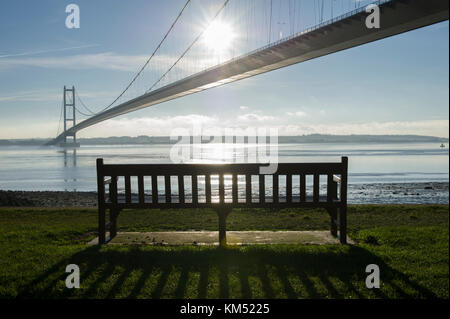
398, 85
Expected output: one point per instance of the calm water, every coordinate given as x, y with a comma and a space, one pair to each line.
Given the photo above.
49, 168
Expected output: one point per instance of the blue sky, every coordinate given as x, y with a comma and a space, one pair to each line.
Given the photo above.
393, 86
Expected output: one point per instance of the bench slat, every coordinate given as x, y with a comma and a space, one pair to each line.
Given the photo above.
141, 189
154, 189
302, 188
113, 195
221, 189
213, 169
181, 198
127, 188
194, 189
288, 188
168, 188
275, 188
248, 188
208, 188
262, 189
235, 188
330, 188
316, 188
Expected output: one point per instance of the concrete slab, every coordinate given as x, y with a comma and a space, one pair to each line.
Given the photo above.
233, 238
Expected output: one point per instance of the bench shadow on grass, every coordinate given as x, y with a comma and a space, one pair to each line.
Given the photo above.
259, 272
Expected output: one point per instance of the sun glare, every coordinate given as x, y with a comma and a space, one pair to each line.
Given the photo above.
219, 36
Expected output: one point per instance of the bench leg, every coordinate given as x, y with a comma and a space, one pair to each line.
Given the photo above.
343, 224
223, 214
113, 213
101, 226
333, 221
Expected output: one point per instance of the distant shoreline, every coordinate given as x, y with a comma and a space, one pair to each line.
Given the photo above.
313, 138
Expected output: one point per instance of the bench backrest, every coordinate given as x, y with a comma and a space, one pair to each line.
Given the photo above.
224, 177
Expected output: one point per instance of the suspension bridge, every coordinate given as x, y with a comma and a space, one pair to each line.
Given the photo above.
272, 34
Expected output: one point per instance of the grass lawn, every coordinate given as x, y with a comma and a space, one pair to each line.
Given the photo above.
408, 243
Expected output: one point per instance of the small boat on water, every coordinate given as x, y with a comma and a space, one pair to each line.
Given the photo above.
442, 145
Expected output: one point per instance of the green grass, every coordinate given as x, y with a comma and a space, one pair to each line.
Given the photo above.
408, 243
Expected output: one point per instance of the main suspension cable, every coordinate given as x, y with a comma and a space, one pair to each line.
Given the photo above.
190, 46
84, 105
149, 59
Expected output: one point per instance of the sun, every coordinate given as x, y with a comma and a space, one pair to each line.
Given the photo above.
219, 36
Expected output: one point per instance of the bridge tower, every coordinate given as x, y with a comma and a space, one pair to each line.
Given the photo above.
69, 118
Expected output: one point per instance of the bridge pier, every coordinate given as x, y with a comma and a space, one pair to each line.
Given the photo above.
69, 143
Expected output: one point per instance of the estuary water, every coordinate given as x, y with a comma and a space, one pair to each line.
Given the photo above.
398, 173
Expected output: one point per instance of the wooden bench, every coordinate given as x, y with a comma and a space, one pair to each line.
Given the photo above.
155, 189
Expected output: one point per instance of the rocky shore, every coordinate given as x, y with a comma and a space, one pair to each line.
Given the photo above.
399, 193
48, 199
382, 193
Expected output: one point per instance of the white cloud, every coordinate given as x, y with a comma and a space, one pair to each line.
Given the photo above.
107, 61
251, 118
31, 96
47, 51
297, 114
